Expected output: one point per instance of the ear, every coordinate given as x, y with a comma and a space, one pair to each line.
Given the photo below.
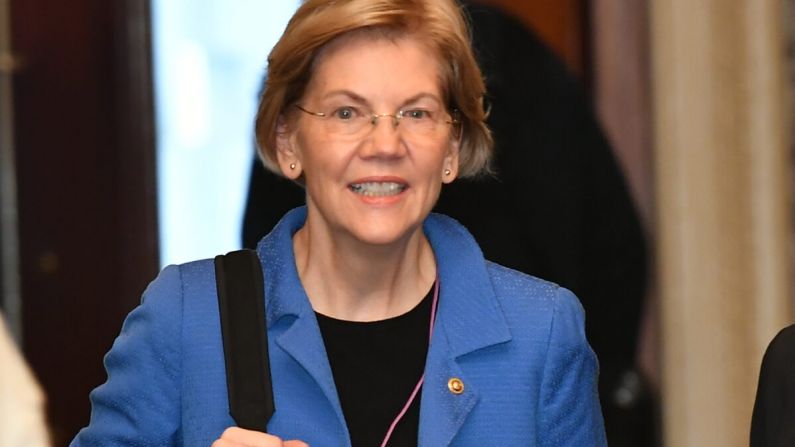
451, 161
286, 150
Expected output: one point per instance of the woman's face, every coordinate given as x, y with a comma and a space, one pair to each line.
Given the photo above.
374, 183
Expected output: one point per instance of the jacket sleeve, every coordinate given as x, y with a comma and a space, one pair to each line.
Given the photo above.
570, 414
139, 404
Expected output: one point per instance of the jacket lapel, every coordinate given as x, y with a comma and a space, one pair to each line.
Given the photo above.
469, 319
443, 413
304, 343
287, 305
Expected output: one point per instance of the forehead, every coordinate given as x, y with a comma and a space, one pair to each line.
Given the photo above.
376, 67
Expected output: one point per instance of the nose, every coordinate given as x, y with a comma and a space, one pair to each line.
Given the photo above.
376, 118
384, 139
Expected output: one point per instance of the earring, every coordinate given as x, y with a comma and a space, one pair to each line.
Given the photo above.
292, 166
447, 172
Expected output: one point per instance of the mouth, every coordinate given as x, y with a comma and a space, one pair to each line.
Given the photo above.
378, 189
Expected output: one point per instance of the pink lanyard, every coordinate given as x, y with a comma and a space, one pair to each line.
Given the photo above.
422, 378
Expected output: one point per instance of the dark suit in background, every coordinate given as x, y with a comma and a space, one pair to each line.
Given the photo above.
551, 157
773, 422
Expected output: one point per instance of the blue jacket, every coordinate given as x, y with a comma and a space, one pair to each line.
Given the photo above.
516, 342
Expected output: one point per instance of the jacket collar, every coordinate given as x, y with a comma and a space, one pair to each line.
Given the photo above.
283, 290
286, 299
469, 312
469, 319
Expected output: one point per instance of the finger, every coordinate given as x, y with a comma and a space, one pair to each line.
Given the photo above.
251, 438
295, 443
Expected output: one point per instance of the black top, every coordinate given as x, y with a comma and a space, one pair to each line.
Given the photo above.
376, 366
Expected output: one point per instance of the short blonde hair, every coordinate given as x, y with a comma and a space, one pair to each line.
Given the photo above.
440, 25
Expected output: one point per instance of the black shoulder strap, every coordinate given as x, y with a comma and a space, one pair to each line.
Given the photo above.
241, 303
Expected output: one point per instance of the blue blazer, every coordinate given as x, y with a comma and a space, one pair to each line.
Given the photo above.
516, 342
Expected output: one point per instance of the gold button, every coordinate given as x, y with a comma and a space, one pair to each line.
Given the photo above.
455, 385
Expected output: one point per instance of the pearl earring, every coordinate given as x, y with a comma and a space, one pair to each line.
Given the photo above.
447, 172
292, 166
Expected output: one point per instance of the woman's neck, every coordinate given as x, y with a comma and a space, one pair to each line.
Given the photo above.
351, 280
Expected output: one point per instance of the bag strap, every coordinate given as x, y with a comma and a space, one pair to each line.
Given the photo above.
241, 304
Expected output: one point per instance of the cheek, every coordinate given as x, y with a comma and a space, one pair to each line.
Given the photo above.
310, 147
434, 158
322, 157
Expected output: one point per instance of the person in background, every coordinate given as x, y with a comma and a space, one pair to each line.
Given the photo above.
557, 207
772, 423
386, 325
22, 403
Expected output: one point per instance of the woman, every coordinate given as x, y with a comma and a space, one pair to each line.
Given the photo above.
386, 325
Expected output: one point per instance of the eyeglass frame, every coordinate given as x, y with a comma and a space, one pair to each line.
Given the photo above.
396, 117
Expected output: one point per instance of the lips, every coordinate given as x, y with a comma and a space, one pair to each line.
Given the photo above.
378, 188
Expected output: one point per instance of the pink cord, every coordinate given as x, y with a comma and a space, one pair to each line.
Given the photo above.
403, 411
433, 309
422, 378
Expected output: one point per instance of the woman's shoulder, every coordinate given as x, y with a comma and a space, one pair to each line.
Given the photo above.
181, 293
508, 278
530, 301
174, 279
512, 283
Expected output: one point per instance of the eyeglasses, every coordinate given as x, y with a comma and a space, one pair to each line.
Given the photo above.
421, 122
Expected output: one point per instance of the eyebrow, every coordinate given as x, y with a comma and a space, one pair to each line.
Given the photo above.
348, 93
361, 100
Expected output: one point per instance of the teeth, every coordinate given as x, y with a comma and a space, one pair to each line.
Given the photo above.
377, 189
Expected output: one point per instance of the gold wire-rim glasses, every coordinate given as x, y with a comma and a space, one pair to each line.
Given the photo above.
396, 117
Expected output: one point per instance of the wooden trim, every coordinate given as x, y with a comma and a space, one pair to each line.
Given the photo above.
85, 154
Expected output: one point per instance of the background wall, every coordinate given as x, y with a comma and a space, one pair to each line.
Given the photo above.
722, 157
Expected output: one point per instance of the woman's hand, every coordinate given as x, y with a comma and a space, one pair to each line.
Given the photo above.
237, 437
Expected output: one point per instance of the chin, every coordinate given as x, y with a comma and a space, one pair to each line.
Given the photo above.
385, 234
382, 238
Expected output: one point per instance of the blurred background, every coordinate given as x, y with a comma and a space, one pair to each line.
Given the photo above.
126, 144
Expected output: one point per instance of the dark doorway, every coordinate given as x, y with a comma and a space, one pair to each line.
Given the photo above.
85, 169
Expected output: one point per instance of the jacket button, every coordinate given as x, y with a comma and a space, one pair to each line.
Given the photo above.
455, 385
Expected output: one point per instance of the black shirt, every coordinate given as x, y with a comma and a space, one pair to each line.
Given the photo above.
376, 366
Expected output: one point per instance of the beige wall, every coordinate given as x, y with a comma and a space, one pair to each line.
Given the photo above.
722, 170
695, 99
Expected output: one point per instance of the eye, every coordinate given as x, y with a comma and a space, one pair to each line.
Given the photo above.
346, 113
418, 114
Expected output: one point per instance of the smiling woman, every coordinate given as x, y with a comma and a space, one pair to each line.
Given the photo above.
374, 186
372, 105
